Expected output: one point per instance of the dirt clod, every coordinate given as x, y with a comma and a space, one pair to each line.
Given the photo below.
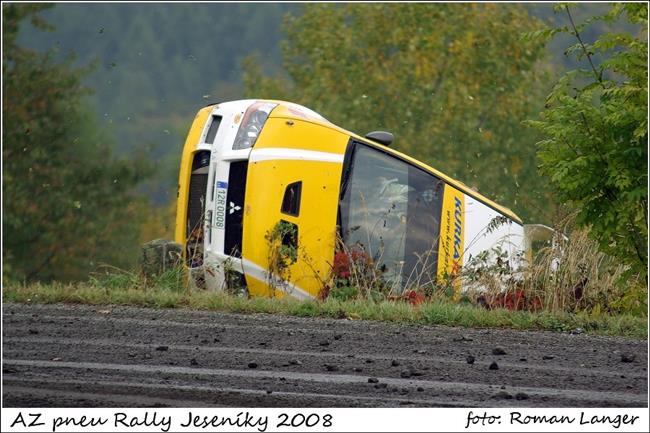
521, 396
498, 351
494, 366
373, 380
470, 359
162, 348
252, 365
502, 395
626, 357
394, 363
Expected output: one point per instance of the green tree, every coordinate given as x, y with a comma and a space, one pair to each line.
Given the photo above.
596, 124
67, 203
453, 82
157, 64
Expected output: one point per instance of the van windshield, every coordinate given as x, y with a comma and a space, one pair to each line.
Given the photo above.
390, 210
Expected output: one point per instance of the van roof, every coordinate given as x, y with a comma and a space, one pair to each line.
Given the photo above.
295, 111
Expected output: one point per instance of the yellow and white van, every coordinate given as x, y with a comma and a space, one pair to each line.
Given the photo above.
249, 165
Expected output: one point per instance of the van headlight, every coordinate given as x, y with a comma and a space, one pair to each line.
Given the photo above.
252, 124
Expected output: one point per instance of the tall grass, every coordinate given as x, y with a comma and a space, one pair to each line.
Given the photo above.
572, 276
431, 312
585, 279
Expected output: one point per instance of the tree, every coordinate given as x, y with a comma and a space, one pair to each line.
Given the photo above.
157, 64
596, 126
68, 204
453, 82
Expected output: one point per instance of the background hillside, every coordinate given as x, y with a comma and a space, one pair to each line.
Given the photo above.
155, 65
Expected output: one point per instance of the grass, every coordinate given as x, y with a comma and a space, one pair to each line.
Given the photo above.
436, 312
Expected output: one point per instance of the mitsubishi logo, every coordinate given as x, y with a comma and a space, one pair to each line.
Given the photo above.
233, 208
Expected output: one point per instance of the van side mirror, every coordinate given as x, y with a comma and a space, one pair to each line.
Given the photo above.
383, 137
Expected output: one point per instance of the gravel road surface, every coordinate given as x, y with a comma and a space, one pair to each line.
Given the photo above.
72, 355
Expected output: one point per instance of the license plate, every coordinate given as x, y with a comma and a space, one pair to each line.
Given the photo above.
220, 205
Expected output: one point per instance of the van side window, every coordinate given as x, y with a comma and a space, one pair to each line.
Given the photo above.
391, 210
291, 199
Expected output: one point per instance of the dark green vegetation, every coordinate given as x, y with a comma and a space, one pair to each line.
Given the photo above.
68, 204
157, 64
456, 83
596, 121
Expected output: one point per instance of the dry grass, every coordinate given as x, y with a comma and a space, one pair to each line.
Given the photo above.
582, 280
432, 312
572, 276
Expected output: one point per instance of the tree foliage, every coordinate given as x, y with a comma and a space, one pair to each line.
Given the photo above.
596, 126
157, 64
68, 204
453, 82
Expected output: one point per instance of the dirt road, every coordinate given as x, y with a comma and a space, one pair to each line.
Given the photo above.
62, 355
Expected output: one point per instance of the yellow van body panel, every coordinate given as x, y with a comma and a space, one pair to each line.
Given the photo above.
189, 149
451, 242
260, 288
286, 112
316, 221
294, 133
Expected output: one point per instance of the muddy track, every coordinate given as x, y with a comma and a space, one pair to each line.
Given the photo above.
70, 355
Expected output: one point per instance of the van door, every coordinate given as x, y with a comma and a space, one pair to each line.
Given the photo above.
292, 192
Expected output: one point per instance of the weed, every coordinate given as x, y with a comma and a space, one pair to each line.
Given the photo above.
282, 241
571, 276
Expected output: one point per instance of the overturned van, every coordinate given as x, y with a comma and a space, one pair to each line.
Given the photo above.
251, 166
